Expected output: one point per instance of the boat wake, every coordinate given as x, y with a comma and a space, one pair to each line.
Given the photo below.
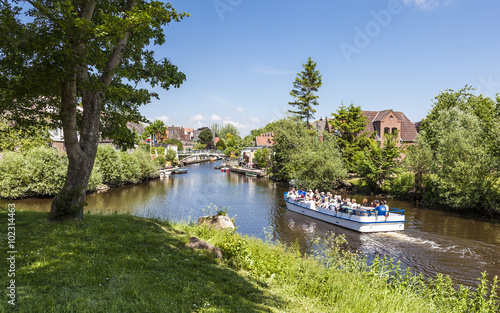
396, 239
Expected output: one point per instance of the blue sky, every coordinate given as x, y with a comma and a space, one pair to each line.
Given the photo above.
241, 56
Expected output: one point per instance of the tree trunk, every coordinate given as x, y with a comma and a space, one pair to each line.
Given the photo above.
69, 203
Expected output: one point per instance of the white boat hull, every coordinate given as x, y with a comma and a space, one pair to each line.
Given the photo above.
364, 224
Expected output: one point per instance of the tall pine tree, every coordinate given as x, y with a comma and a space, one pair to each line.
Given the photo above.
305, 85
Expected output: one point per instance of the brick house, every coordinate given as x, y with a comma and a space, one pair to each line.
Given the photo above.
389, 121
176, 133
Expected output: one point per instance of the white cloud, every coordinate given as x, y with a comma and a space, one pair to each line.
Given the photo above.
254, 120
215, 117
240, 109
163, 118
197, 117
264, 69
426, 4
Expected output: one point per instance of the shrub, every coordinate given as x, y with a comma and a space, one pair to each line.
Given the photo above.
160, 161
131, 171
95, 178
47, 170
14, 176
146, 166
109, 162
400, 185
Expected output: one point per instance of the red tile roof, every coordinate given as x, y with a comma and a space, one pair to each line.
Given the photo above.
408, 129
264, 141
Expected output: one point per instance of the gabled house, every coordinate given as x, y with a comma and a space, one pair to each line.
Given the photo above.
322, 125
389, 121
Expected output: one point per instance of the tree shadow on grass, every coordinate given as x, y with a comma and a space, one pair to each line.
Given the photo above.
121, 263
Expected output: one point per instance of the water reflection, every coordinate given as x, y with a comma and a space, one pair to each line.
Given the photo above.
433, 240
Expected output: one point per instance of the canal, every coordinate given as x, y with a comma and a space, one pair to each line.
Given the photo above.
433, 240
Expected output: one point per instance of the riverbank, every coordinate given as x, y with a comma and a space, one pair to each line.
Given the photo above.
112, 263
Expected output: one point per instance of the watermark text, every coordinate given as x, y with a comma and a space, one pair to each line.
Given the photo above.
11, 253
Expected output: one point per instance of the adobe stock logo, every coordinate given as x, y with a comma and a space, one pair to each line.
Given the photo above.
363, 37
224, 6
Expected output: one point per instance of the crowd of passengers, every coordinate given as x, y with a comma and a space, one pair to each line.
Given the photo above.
337, 203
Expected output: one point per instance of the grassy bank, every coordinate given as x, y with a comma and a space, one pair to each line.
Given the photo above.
122, 263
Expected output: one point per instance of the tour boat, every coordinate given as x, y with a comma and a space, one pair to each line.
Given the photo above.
358, 220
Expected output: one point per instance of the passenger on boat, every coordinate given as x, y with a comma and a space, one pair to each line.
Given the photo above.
365, 203
386, 206
311, 195
325, 202
302, 193
380, 208
317, 201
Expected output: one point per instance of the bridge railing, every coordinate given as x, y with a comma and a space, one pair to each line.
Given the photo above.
200, 152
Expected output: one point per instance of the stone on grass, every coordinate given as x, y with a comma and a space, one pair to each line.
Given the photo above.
217, 221
199, 244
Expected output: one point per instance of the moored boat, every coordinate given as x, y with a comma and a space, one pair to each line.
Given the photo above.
250, 174
180, 171
365, 221
218, 166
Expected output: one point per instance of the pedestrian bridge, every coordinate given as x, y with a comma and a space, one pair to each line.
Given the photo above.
186, 156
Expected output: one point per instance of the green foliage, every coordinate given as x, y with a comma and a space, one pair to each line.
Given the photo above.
305, 85
262, 157
206, 137
221, 144
13, 137
402, 184
299, 154
318, 164
160, 160
47, 170
199, 146
41, 171
158, 129
228, 129
109, 162
378, 163
131, 170
463, 166
349, 124
177, 142
171, 155
38, 172
159, 150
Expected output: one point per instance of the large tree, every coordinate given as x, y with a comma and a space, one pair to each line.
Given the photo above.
349, 124
298, 153
206, 138
305, 85
458, 154
158, 129
379, 160
74, 63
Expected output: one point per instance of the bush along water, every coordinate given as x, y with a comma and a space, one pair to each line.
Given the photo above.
41, 171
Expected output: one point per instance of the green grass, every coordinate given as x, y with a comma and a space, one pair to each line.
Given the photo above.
122, 263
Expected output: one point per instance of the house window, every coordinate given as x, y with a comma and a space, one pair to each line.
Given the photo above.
387, 130
394, 130
391, 117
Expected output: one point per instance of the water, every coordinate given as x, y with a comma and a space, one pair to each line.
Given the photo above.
433, 240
